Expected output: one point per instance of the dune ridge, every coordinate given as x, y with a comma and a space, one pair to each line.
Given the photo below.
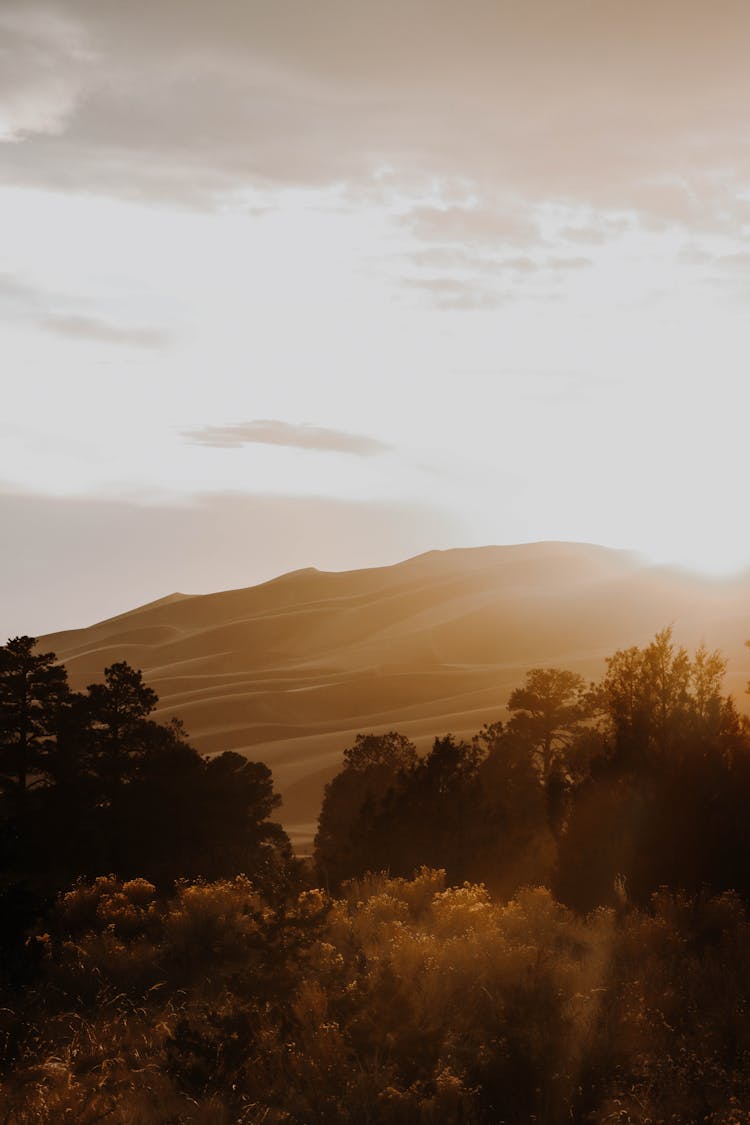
290, 670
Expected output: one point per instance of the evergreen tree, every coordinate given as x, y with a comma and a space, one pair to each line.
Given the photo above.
373, 766
33, 687
547, 713
119, 731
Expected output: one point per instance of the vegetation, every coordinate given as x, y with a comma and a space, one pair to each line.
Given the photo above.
556, 929
89, 783
641, 781
400, 1001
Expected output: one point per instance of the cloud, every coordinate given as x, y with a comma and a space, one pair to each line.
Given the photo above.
19, 298
740, 260
43, 59
271, 431
471, 224
102, 331
595, 233
563, 262
724, 272
486, 282
453, 293
516, 102
17, 294
451, 257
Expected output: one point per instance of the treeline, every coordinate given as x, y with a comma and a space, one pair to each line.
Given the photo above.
546, 923
91, 784
598, 791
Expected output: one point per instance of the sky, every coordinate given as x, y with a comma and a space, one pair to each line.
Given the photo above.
288, 284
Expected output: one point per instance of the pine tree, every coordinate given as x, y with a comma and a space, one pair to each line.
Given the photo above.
33, 687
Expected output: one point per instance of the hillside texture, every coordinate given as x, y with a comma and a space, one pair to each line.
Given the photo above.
289, 671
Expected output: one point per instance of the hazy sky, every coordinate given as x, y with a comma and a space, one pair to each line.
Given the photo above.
288, 284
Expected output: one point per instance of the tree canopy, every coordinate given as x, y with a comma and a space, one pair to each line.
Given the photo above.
90, 782
33, 687
640, 780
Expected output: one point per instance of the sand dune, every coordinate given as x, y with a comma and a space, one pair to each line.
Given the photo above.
289, 671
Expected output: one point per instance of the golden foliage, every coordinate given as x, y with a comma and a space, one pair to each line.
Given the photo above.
403, 1001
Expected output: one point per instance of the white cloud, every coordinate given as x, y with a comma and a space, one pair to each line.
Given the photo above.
43, 65
272, 431
187, 101
102, 331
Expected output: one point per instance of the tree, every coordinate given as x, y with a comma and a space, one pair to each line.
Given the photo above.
706, 674
373, 765
547, 713
666, 802
119, 706
162, 810
186, 816
119, 731
388, 753
33, 687
656, 698
428, 816
513, 845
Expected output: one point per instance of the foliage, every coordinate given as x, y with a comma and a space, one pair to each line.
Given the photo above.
446, 982
583, 789
547, 713
404, 1001
665, 797
32, 688
372, 767
656, 698
90, 783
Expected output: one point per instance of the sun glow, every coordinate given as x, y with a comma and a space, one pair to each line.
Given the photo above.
526, 351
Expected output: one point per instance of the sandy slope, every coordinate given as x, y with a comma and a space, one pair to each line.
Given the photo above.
289, 671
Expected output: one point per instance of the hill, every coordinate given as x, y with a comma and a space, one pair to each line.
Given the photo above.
290, 670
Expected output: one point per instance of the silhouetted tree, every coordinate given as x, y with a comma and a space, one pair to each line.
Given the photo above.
119, 731
512, 842
32, 689
92, 784
427, 817
646, 693
236, 802
373, 765
547, 712
664, 803
158, 807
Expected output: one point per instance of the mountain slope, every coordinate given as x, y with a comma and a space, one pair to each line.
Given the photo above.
289, 671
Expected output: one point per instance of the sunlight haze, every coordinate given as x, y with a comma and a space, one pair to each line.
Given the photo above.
454, 274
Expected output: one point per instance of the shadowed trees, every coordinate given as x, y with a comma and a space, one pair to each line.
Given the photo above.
373, 765
90, 783
403, 1000
646, 693
475, 809
657, 700
546, 714
32, 689
514, 845
666, 800
429, 813
199, 818
641, 781
389, 809
119, 732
